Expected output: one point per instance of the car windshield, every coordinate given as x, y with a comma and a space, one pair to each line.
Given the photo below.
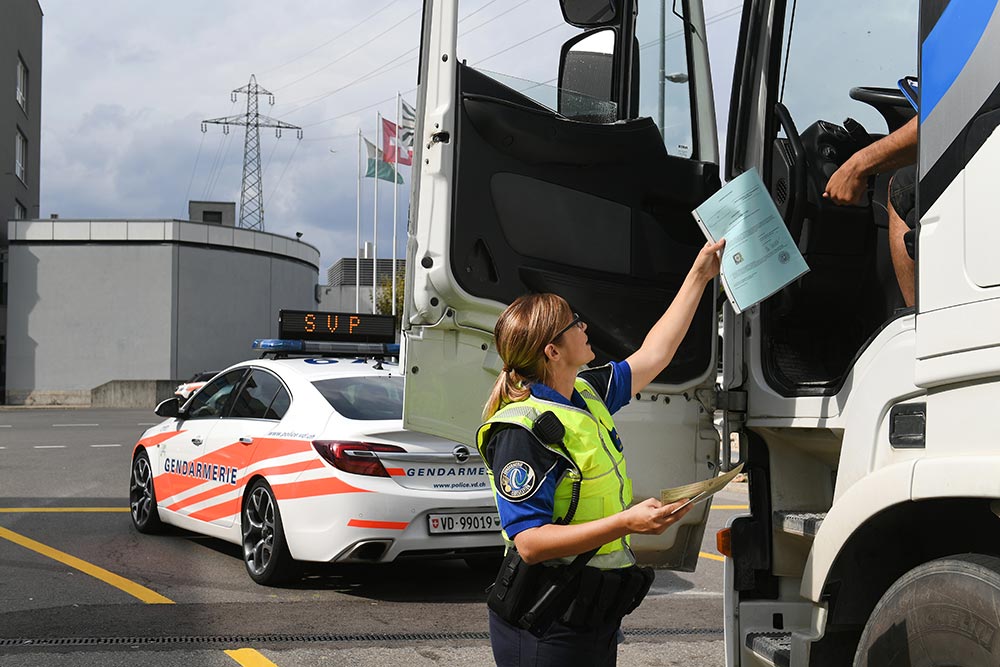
379, 397
203, 377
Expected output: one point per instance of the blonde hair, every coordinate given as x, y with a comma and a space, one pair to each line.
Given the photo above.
521, 333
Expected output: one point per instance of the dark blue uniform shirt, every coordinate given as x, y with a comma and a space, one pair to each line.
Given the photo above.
533, 470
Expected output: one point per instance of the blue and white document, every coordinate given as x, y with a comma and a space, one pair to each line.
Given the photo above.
760, 257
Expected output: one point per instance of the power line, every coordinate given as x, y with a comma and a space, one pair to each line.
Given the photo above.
385, 67
195, 168
333, 39
523, 41
280, 178
352, 51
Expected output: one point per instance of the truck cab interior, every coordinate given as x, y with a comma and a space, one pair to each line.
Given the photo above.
826, 104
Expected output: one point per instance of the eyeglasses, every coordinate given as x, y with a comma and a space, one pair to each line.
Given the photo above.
576, 322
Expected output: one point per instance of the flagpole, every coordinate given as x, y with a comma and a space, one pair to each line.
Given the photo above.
395, 196
357, 245
378, 133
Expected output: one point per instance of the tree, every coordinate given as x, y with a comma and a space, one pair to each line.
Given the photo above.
383, 300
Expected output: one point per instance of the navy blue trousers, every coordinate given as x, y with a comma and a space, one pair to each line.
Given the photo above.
560, 646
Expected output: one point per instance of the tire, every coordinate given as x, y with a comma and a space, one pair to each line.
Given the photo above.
944, 612
265, 552
142, 496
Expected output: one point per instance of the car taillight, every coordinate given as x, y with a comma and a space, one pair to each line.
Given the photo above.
360, 458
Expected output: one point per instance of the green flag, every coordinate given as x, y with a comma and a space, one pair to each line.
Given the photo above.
376, 165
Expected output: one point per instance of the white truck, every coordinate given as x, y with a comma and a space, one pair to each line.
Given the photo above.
872, 536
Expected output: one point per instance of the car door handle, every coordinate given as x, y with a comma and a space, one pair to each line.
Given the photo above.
196, 441
246, 441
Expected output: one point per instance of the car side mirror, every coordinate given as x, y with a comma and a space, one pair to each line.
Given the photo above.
169, 408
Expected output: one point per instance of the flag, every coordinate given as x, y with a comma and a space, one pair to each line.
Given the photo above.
404, 154
407, 125
377, 165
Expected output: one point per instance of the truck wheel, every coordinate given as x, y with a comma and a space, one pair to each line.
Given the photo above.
940, 613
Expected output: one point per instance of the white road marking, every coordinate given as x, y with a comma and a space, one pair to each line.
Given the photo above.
105, 445
49, 447
3, 448
6, 426
61, 425
147, 423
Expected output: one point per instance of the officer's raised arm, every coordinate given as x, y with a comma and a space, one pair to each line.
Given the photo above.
662, 341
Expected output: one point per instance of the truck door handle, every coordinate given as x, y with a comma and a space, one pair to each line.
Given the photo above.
246, 441
196, 441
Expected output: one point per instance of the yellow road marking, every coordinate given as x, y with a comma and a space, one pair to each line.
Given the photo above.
711, 556
250, 658
730, 507
135, 590
63, 509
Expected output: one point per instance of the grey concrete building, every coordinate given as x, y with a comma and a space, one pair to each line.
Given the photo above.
140, 301
20, 128
340, 292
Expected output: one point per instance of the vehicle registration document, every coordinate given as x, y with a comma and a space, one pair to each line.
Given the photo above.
760, 257
698, 491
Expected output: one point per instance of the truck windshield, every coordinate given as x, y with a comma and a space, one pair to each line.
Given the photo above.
829, 49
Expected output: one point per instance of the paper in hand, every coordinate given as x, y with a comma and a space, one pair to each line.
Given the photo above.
698, 491
760, 256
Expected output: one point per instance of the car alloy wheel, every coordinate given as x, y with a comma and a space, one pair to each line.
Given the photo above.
142, 496
264, 551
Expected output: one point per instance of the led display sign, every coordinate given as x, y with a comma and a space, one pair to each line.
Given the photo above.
336, 327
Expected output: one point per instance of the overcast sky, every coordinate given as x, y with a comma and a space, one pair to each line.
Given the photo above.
126, 85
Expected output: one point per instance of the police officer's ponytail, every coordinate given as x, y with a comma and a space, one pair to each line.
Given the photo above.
522, 332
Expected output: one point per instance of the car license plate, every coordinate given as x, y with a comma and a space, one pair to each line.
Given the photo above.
471, 522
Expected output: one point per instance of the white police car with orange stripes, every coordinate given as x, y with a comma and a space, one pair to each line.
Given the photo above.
305, 459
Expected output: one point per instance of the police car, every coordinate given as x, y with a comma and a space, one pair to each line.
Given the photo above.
304, 458
197, 381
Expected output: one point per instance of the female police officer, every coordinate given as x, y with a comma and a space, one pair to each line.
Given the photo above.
543, 345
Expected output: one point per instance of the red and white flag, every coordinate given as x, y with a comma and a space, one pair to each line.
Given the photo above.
393, 148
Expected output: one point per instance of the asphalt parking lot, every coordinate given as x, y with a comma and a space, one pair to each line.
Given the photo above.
82, 587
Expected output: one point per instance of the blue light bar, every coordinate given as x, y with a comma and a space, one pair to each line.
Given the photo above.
277, 345
327, 348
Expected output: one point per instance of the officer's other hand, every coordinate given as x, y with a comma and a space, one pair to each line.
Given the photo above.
706, 264
651, 517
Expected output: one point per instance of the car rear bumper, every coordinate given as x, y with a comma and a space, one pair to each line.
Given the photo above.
378, 528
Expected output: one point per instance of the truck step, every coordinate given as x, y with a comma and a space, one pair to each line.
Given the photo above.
799, 523
774, 647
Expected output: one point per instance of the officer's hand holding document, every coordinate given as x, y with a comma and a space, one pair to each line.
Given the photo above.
760, 257
698, 491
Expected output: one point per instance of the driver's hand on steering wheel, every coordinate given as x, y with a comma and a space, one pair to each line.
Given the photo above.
846, 185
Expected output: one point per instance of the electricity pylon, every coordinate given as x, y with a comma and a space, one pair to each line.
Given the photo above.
252, 197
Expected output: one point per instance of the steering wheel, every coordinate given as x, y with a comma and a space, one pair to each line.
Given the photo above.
889, 102
797, 191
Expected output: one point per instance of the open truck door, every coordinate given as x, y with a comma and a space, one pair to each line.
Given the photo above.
587, 194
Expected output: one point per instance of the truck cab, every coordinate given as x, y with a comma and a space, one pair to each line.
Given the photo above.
872, 533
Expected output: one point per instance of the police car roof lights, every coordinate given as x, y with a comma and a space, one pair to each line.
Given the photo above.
285, 347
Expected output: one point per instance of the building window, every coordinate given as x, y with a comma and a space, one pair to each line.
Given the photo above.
211, 216
20, 156
22, 84
20, 213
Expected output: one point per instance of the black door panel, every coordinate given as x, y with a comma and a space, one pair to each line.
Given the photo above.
597, 213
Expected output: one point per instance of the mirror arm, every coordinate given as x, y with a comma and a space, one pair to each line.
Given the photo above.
685, 20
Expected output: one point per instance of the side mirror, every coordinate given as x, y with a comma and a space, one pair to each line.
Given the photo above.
589, 13
586, 77
169, 408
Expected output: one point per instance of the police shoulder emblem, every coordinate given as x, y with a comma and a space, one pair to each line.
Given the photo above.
517, 479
